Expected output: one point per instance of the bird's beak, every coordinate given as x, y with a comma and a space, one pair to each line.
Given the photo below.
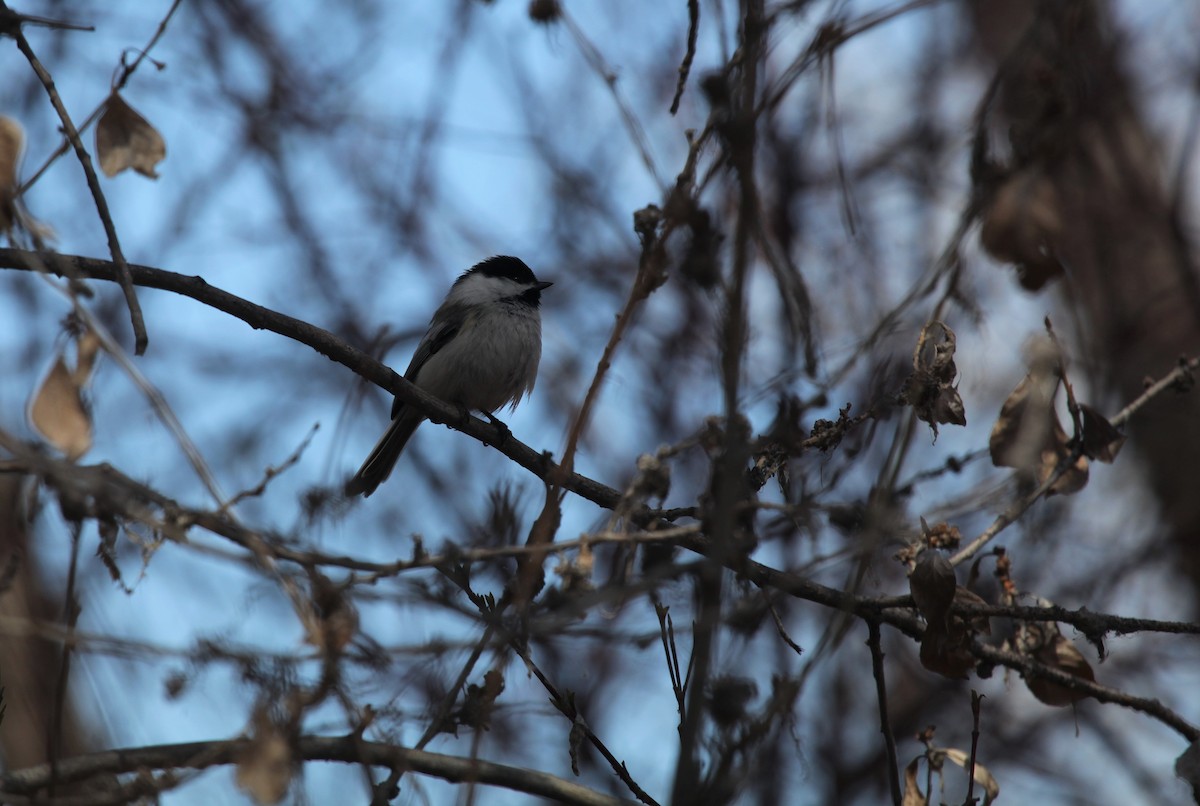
542, 286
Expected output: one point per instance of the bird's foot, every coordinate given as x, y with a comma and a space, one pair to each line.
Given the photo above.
505, 434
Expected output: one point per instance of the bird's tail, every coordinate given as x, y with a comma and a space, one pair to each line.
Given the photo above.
383, 458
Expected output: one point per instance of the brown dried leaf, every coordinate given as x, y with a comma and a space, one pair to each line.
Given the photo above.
1028, 436
1024, 426
87, 348
58, 413
12, 143
264, 768
1022, 225
336, 621
946, 645
991, 789
125, 139
12, 212
1101, 439
1060, 654
480, 701
929, 389
946, 654
912, 787
1043, 641
932, 583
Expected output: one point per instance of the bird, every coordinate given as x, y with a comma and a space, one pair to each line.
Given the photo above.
481, 352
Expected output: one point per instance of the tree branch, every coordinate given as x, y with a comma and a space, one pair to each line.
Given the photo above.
347, 749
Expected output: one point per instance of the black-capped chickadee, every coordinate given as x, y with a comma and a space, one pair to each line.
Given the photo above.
481, 352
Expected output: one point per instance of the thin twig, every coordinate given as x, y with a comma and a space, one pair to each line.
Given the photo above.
667, 633
71, 616
564, 705
271, 473
686, 67
885, 726
976, 699
140, 337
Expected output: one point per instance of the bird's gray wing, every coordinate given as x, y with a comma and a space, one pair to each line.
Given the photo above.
446, 324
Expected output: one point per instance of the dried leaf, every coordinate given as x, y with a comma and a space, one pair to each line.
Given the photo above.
12, 212
932, 584
125, 139
264, 768
12, 143
479, 702
1101, 439
1060, 654
946, 654
1024, 425
336, 621
1045, 643
1187, 767
991, 789
1028, 436
912, 788
87, 348
948, 407
58, 413
946, 645
930, 388
1022, 225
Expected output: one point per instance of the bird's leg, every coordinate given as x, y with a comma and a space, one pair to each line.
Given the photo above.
464, 415
505, 434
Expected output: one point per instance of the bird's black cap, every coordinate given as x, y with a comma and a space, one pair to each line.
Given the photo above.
506, 266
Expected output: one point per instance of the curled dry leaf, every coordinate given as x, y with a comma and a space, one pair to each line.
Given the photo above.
913, 796
932, 583
480, 701
930, 388
1101, 439
124, 139
1027, 435
1022, 225
991, 789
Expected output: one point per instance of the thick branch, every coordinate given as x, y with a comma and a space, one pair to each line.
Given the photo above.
348, 749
